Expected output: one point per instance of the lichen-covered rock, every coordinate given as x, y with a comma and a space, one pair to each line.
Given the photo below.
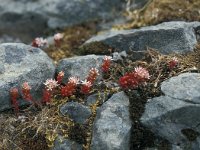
79, 66
167, 37
77, 112
66, 144
22, 63
112, 124
175, 116
26, 19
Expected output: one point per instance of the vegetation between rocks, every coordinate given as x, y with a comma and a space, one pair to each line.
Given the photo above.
39, 125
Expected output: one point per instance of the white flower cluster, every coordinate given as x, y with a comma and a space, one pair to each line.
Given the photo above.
107, 58
94, 71
50, 84
86, 83
74, 80
61, 73
58, 36
40, 42
26, 86
142, 72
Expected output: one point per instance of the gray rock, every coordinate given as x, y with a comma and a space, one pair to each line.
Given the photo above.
167, 37
112, 124
9, 39
119, 56
2, 69
66, 144
92, 99
119, 20
22, 63
175, 116
28, 19
175, 147
77, 112
187, 87
79, 66
151, 148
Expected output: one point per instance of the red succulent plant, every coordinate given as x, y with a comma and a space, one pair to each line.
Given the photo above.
14, 94
50, 85
46, 96
70, 87
106, 63
57, 39
173, 63
93, 73
39, 42
86, 87
26, 92
134, 79
60, 77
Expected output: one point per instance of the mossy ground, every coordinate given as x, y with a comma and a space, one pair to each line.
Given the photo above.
42, 124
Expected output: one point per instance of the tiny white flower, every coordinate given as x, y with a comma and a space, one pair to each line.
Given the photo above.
74, 80
26, 86
40, 41
58, 36
107, 58
94, 71
61, 74
86, 83
175, 59
142, 72
22, 118
51, 84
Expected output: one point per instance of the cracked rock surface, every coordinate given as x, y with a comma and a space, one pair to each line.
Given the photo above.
175, 116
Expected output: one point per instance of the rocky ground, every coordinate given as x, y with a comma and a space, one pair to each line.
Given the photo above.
160, 113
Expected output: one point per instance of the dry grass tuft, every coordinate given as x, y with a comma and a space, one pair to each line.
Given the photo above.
37, 129
40, 127
157, 11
